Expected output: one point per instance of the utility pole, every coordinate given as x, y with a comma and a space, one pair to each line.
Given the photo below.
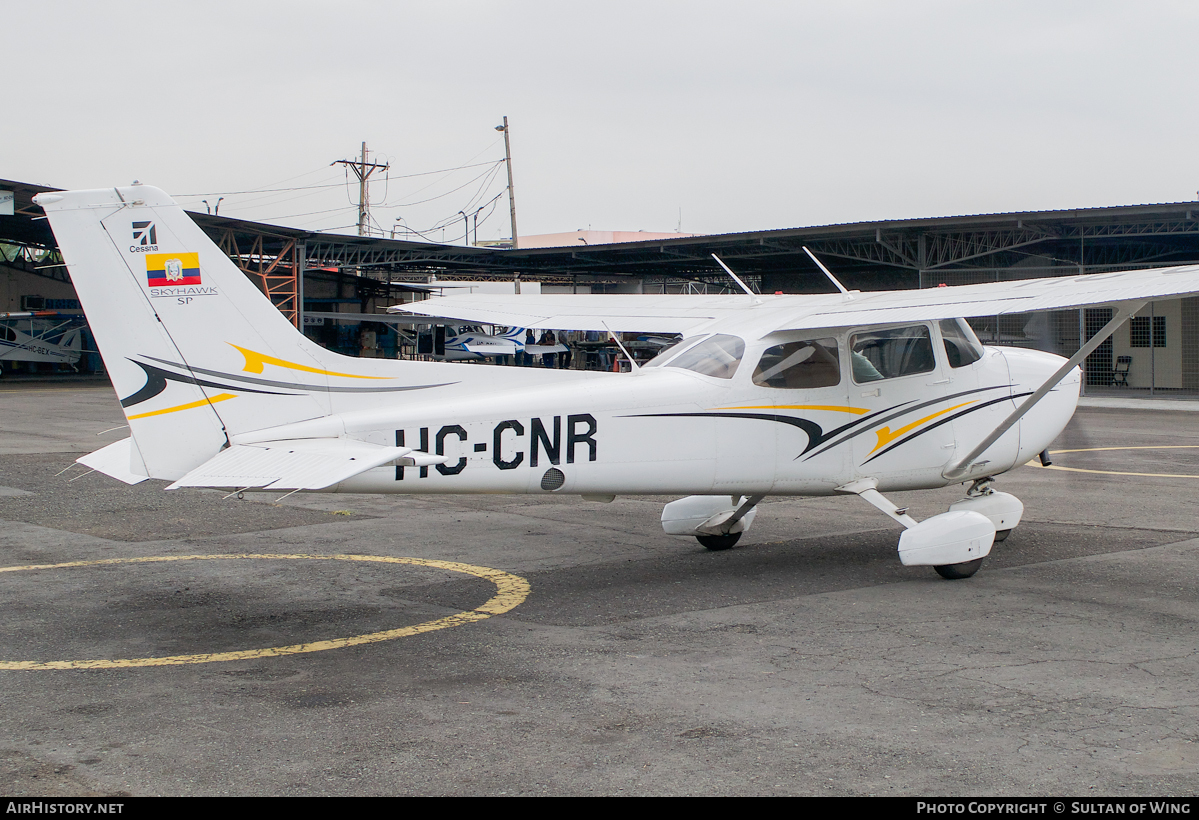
511, 194
362, 169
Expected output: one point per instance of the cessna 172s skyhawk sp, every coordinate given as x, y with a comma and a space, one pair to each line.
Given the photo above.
856, 393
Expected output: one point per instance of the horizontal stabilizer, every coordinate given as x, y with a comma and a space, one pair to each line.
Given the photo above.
299, 464
113, 460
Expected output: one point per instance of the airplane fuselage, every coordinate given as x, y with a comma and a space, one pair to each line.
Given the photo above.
673, 431
41, 343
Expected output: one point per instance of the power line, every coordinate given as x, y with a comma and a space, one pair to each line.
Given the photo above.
447, 193
334, 184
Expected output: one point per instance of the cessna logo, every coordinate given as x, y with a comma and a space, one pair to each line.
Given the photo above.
145, 236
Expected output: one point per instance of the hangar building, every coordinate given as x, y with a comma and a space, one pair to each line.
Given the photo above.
1157, 353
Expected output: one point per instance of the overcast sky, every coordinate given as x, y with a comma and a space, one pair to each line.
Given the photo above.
623, 115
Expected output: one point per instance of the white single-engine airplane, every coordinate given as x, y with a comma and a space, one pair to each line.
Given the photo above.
857, 393
465, 343
40, 336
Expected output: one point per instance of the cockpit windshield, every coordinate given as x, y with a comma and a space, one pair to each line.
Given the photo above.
716, 356
666, 353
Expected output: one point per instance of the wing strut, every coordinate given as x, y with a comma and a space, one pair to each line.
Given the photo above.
1126, 310
620, 344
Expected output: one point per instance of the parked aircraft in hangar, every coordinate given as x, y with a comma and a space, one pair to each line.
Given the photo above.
40, 336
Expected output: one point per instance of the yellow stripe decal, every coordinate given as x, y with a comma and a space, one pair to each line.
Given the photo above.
255, 361
857, 411
885, 436
511, 591
188, 406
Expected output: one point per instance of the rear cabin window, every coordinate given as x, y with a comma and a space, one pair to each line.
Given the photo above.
799, 365
891, 353
717, 356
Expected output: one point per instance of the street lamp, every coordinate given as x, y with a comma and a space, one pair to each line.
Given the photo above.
476, 218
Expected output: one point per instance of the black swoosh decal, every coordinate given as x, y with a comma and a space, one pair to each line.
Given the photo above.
157, 378
294, 385
945, 420
816, 436
905, 410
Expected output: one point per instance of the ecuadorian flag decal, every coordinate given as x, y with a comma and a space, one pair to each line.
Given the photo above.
172, 269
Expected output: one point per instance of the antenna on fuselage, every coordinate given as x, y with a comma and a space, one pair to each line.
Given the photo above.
737, 279
827, 273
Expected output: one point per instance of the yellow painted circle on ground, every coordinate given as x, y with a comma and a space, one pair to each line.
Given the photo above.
511, 591
1118, 472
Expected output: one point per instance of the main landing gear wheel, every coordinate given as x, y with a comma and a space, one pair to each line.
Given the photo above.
1002, 535
719, 542
954, 572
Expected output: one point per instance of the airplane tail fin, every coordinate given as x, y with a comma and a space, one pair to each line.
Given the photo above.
195, 351
72, 341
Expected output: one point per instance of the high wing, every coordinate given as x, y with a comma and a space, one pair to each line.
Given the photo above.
667, 313
1000, 298
685, 313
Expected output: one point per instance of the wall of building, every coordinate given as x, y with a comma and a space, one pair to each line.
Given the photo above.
1160, 367
15, 283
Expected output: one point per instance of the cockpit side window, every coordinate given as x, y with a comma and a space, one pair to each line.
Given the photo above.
8, 334
962, 347
891, 353
799, 365
717, 356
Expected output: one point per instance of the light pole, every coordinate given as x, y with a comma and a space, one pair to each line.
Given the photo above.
465, 229
476, 218
511, 193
